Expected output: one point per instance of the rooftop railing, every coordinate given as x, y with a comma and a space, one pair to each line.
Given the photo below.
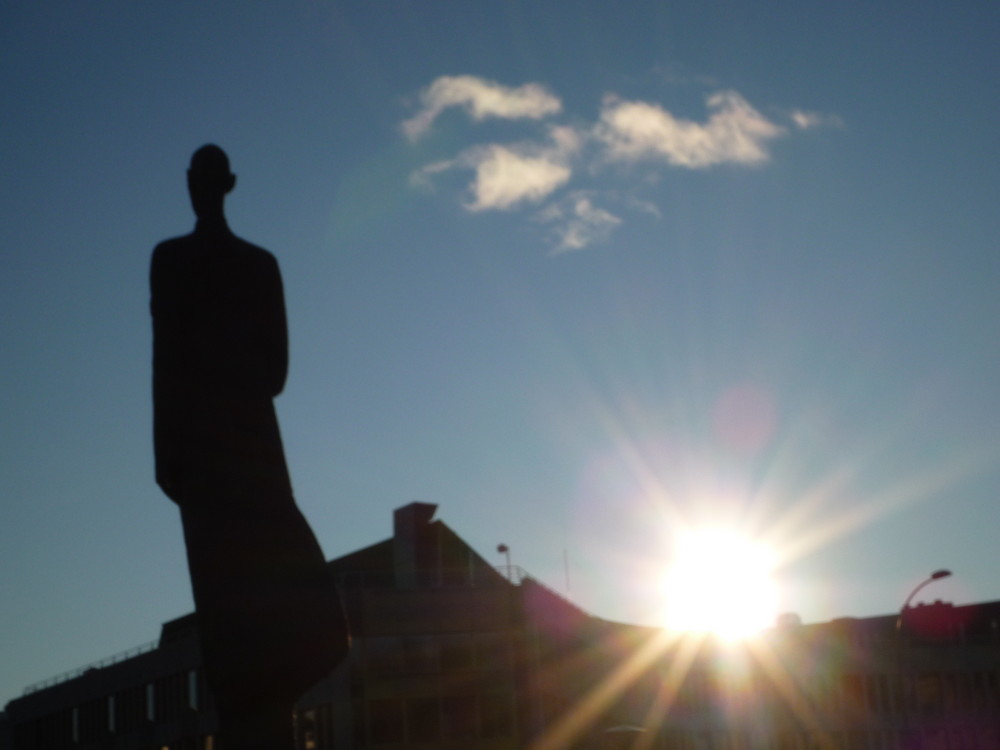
442, 577
437, 577
100, 664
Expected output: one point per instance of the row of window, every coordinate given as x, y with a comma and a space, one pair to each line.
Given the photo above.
922, 693
164, 700
943, 739
389, 721
414, 720
973, 692
439, 653
469, 575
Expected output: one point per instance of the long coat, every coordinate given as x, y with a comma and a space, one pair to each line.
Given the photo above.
268, 613
220, 355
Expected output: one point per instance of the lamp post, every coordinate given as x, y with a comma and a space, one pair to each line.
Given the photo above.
937, 575
505, 551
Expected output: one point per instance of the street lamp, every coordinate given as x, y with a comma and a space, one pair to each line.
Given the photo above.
504, 550
937, 575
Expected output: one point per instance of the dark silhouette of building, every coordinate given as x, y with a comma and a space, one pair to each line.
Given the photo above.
450, 654
4, 732
848, 684
446, 652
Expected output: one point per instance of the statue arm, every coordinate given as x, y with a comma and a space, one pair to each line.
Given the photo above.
166, 439
275, 332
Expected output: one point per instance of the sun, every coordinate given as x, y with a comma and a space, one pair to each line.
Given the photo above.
720, 581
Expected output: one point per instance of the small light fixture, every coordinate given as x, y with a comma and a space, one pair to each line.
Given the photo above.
504, 550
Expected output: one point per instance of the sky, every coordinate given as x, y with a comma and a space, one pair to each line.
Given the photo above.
583, 276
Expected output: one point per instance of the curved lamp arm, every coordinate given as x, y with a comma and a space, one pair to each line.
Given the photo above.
937, 575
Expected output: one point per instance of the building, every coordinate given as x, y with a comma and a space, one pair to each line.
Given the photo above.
146, 697
449, 653
929, 680
446, 653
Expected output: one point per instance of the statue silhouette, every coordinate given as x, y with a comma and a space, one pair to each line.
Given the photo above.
269, 618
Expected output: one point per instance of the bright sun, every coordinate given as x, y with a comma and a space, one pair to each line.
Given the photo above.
720, 582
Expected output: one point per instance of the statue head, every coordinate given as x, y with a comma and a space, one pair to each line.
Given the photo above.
209, 181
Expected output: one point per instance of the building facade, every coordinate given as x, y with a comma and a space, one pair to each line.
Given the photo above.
448, 653
929, 680
444, 654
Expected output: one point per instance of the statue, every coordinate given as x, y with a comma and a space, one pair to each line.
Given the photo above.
269, 618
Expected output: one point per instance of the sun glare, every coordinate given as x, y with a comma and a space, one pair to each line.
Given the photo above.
720, 581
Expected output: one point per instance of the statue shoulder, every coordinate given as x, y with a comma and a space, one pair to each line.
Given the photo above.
173, 247
256, 255
252, 249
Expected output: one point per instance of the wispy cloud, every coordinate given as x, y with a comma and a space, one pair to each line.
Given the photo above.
514, 175
481, 99
578, 222
506, 176
734, 133
677, 74
807, 120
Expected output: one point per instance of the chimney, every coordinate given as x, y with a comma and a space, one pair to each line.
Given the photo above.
412, 548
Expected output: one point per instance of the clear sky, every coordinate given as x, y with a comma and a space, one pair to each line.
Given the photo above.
581, 274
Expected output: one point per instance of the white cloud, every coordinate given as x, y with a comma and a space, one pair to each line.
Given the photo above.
506, 176
422, 177
676, 74
527, 173
807, 120
644, 207
481, 99
578, 221
734, 133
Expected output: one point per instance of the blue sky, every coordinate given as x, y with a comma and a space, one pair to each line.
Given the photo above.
581, 276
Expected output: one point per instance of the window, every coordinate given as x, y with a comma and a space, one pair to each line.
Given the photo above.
91, 724
496, 715
169, 699
853, 689
324, 725
458, 716
130, 709
423, 719
458, 653
494, 651
878, 693
421, 655
692, 697
385, 721
192, 689
384, 655
54, 730
305, 727
150, 703
929, 692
